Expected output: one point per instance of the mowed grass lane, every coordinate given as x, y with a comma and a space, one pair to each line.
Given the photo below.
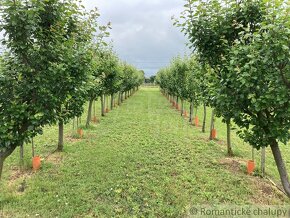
143, 159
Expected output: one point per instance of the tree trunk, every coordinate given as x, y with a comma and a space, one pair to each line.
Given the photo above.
181, 109
229, 145
107, 103
204, 118
94, 105
32, 148
1, 166
112, 101
102, 105
21, 156
263, 160
211, 124
191, 112
60, 136
280, 166
3, 155
253, 153
89, 117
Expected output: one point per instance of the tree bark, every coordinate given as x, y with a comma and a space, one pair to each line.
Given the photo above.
102, 105
21, 156
112, 101
89, 117
204, 118
1, 166
107, 103
119, 99
60, 136
253, 153
280, 166
32, 148
229, 145
181, 109
211, 124
94, 106
263, 160
191, 112
3, 155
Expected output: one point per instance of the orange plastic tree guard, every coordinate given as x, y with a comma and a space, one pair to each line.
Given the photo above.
213, 133
251, 166
36, 163
196, 121
80, 132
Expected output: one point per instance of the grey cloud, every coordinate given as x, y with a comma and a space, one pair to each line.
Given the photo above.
142, 32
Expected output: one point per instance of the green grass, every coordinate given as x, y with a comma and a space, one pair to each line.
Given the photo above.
143, 159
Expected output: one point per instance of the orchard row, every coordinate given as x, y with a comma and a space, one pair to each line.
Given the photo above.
56, 59
240, 67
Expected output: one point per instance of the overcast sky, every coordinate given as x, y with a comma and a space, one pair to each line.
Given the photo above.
143, 34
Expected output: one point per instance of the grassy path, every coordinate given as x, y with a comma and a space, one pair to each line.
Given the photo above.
142, 159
